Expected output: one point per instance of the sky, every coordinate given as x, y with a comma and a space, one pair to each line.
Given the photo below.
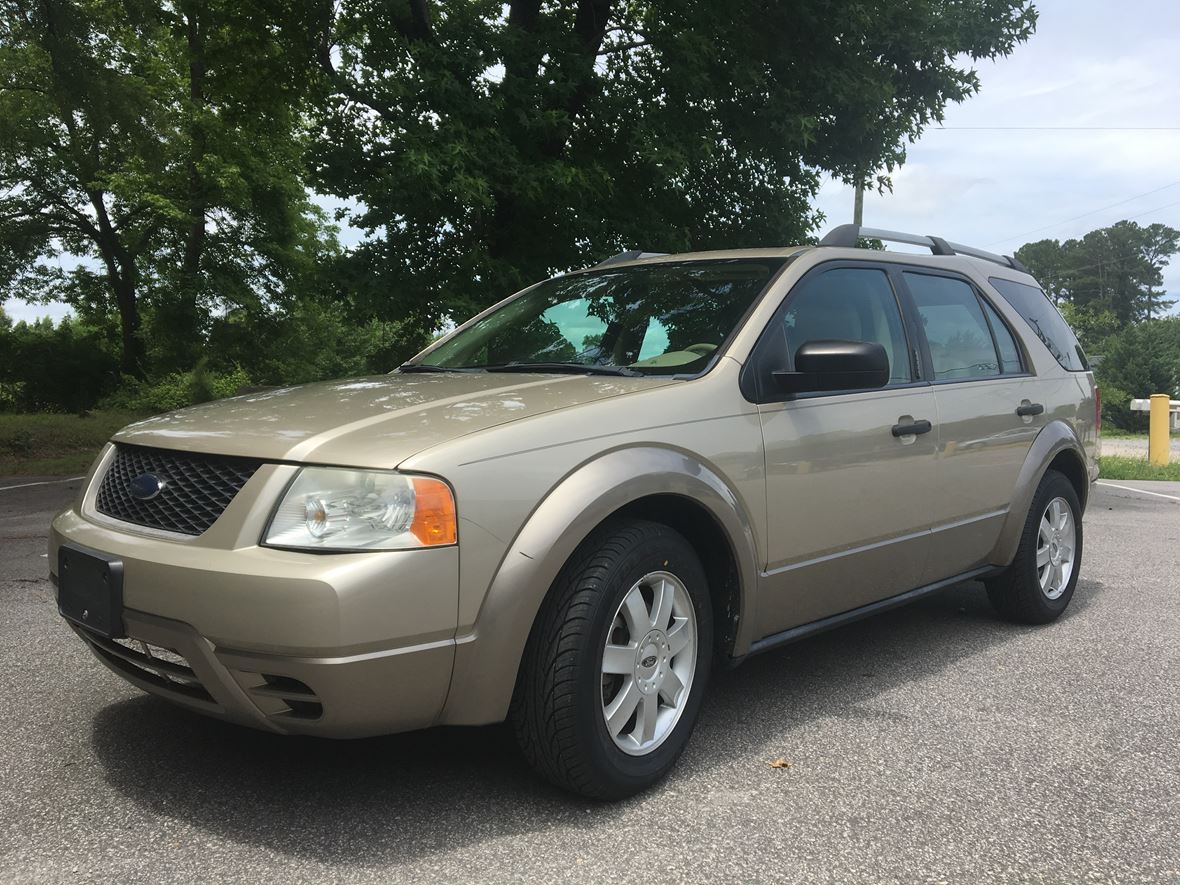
1091, 63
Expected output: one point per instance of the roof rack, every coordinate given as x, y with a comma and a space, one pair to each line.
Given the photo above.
847, 235
629, 256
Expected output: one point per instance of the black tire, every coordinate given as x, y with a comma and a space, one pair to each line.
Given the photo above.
557, 709
1016, 592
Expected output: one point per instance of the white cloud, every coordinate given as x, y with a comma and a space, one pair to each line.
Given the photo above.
1089, 64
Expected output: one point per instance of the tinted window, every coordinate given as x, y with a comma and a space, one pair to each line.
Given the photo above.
1009, 352
960, 341
849, 304
1045, 321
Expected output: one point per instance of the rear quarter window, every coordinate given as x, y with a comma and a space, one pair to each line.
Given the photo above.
1045, 321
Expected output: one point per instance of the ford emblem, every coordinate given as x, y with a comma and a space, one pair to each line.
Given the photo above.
146, 486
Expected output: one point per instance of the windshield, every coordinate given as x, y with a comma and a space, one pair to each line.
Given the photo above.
645, 319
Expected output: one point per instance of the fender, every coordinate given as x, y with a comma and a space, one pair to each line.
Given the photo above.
1055, 438
487, 660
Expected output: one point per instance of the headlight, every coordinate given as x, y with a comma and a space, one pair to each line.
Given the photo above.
329, 508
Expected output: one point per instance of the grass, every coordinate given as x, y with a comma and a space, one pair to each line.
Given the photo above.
55, 445
1109, 431
1115, 467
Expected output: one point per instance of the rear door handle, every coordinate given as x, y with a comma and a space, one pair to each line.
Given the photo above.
1026, 408
921, 426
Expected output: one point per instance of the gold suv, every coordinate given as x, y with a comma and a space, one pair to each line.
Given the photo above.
564, 512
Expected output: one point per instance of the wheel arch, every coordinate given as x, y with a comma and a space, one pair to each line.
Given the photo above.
657, 483
1056, 447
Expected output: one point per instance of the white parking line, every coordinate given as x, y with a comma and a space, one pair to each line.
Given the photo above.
47, 482
1113, 486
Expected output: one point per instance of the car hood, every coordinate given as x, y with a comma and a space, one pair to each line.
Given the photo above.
377, 421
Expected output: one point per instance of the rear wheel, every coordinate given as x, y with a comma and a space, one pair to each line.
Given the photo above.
1039, 584
617, 663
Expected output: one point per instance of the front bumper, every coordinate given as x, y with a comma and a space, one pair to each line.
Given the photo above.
338, 645
338, 697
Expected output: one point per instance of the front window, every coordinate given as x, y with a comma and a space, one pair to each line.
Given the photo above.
665, 318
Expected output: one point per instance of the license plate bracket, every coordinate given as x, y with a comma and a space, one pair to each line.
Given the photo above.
90, 590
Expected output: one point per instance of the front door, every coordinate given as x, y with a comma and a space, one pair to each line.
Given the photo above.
850, 475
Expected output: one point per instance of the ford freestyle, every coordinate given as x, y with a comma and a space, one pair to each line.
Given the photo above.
571, 508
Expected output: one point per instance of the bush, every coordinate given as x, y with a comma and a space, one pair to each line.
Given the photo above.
1140, 360
66, 367
177, 390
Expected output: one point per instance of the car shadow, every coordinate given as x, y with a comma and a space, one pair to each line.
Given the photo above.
382, 801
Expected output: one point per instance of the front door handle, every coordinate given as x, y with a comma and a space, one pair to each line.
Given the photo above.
913, 428
1026, 409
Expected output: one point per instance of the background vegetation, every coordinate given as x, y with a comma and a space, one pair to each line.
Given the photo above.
158, 162
163, 168
1108, 285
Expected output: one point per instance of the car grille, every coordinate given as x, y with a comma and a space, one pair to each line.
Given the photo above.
196, 488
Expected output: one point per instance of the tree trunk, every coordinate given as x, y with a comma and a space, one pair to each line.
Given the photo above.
133, 357
187, 316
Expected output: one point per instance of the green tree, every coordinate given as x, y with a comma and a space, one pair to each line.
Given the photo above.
1140, 360
1111, 273
158, 144
489, 144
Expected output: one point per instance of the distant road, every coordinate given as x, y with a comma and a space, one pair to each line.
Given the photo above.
1135, 447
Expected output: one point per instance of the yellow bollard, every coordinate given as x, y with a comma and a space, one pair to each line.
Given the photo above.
1158, 442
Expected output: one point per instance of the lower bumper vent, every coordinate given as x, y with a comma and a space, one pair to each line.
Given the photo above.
283, 697
160, 667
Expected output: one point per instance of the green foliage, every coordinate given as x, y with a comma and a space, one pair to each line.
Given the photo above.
1139, 361
1113, 467
311, 341
490, 144
1092, 325
1110, 276
56, 368
176, 390
160, 144
155, 160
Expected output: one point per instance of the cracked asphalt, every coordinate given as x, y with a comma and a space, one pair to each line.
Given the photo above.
930, 744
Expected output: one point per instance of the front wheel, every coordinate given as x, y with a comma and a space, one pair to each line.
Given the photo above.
1039, 584
616, 666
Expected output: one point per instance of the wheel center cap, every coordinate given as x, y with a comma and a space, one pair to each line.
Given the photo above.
651, 661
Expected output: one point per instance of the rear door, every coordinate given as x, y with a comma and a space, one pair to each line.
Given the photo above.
988, 416
847, 498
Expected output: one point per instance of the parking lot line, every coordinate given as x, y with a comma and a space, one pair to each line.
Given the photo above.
1113, 486
46, 482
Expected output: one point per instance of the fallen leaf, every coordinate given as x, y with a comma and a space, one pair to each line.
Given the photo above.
779, 763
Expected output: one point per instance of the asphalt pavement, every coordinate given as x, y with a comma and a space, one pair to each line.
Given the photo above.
930, 744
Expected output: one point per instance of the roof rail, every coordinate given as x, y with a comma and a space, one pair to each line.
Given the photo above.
847, 235
628, 256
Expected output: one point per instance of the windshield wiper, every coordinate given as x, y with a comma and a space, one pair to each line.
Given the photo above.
568, 368
426, 367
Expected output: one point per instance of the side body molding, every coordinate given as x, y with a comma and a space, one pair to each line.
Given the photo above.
1055, 438
488, 658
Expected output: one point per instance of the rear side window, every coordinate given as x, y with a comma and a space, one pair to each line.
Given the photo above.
960, 341
1045, 321
1005, 343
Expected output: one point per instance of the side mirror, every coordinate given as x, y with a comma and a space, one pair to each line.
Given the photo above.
836, 365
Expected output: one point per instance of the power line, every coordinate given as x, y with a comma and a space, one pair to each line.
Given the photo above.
1132, 218
1037, 230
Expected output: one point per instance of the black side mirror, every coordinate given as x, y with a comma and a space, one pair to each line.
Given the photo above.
836, 365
